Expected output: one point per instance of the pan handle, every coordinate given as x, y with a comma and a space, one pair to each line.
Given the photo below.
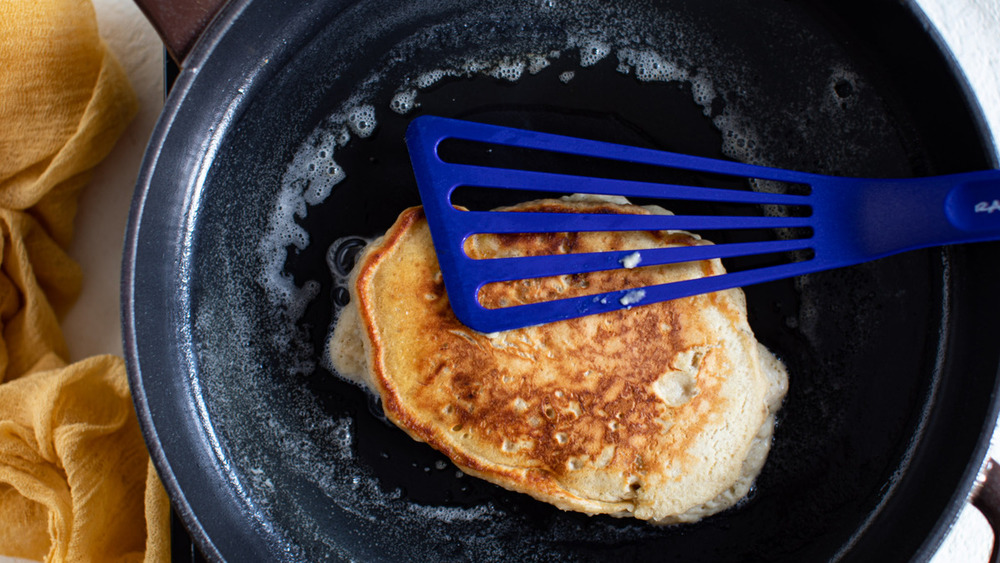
986, 497
179, 22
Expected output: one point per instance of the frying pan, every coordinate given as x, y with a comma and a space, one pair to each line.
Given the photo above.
236, 254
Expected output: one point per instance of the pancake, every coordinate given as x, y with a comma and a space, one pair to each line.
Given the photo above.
662, 412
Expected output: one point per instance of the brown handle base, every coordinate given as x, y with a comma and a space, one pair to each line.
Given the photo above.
180, 22
986, 497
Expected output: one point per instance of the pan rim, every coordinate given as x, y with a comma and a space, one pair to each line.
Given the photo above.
153, 432
202, 54
980, 456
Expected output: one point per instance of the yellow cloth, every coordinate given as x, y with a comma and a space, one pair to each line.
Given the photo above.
76, 483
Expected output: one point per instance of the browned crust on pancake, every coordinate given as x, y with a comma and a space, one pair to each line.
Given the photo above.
601, 398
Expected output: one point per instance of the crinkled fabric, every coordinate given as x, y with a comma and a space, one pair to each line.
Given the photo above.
76, 483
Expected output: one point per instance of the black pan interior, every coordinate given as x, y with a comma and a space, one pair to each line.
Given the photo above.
267, 455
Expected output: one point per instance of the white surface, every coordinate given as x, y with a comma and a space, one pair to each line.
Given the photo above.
972, 28
93, 324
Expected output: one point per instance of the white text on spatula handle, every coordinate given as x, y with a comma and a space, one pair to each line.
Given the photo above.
987, 207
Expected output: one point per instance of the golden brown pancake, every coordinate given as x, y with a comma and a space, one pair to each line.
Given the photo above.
662, 412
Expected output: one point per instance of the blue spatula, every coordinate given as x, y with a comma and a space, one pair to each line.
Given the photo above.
850, 220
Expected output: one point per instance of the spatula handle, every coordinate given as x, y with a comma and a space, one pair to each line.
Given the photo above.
974, 204
886, 216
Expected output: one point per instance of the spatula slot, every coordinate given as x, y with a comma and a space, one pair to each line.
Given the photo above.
487, 246
478, 198
516, 292
748, 263
493, 155
503, 295
732, 236
497, 155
